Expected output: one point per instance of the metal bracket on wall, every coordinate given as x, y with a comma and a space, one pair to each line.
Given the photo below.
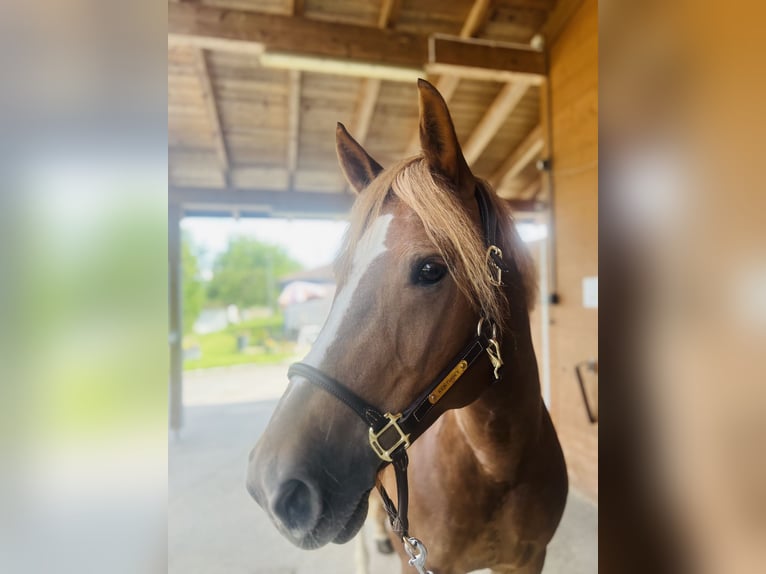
592, 367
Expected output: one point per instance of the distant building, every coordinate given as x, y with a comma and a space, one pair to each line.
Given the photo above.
305, 301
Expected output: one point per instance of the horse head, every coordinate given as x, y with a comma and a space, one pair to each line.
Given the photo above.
412, 285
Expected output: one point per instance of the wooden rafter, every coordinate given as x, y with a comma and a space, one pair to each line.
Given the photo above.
447, 84
261, 201
476, 19
213, 113
295, 7
525, 205
278, 202
502, 106
314, 45
389, 12
524, 153
365, 108
293, 124
532, 189
483, 60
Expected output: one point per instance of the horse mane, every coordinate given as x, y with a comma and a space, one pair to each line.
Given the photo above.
450, 228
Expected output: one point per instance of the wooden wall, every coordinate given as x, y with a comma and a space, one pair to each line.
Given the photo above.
574, 329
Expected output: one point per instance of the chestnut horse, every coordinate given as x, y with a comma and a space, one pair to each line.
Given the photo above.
487, 479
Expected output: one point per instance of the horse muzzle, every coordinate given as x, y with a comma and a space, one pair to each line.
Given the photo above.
306, 512
312, 481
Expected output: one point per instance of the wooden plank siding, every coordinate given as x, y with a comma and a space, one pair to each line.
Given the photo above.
574, 329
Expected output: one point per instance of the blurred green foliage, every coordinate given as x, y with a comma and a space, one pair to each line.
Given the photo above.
247, 274
265, 342
93, 298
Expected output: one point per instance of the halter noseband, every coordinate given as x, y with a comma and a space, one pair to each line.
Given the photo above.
390, 435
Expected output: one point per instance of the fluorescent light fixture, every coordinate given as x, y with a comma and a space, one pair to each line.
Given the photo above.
218, 44
287, 61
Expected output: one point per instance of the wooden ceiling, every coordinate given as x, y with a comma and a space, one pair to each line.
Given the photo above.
255, 89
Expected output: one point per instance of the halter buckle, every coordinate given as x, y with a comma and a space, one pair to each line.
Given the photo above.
493, 346
493, 350
495, 272
383, 452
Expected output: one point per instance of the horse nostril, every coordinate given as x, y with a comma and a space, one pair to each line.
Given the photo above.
297, 505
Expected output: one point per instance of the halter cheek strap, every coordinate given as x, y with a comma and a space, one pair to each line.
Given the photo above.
489, 224
390, 435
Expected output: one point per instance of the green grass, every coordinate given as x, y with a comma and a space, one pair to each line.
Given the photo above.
220, 349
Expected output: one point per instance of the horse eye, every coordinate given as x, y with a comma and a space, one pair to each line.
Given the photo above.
429, 273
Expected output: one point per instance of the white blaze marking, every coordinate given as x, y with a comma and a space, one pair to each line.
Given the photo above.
371, 246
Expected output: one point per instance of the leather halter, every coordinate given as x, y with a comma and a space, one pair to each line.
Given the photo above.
391, 434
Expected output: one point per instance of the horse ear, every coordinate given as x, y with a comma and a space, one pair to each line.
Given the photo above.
439, 140
357, 165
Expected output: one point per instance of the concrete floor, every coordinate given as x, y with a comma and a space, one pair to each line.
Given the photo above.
214, 527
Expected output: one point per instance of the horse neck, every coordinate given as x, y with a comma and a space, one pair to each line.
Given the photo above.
507, 418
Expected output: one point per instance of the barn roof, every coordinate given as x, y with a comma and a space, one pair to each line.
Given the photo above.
255, 89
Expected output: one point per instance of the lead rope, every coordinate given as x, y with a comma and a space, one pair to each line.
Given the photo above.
414, 548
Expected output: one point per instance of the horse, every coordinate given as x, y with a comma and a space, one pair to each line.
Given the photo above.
417, 284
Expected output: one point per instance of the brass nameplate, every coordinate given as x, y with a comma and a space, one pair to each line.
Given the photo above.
447, 382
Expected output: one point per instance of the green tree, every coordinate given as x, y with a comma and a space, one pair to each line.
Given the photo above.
248, 272
193, 287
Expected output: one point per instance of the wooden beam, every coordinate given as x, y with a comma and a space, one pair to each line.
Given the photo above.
295, 7
447, 84
267, 203
502, 106
306, 44
476, 19
389, 12
213, 113
239, 30
293, 124
365, 108
484, 60
558, 18
532, 189
524, 205
524, 153
263, 202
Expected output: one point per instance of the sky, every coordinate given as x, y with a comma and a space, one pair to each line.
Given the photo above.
312, 243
